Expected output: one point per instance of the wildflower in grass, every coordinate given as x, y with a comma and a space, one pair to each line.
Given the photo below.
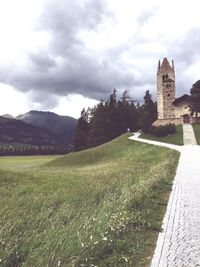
105, 238
125, 259
111, 228
96, 242
59, 263
82, 245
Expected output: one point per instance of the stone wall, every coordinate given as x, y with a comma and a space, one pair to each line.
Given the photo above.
176, 121
193, 119
168, 98
165, 90
182, 108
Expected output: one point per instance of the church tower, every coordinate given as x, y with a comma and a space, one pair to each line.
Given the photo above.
165, 90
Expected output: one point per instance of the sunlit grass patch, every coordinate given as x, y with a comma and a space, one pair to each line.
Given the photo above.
176, 138
99, 207
196, 128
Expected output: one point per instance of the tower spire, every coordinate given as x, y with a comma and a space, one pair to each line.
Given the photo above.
158, 66
165, 90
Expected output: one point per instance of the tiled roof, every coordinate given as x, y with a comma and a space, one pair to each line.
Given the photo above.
182, 98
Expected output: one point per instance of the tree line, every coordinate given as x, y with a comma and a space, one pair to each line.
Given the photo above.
195, 99
113, 117
25, 149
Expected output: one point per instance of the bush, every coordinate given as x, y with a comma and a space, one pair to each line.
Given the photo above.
163, 130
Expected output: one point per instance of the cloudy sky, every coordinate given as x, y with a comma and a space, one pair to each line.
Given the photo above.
63, 55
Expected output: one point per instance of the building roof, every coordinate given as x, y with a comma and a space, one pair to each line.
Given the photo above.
165, 66
165, 62
182, 98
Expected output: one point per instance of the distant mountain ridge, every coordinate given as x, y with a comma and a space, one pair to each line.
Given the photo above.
14, 131
36, 132
7, 116
60, 126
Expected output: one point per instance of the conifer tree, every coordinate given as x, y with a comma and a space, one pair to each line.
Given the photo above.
195, 98
82, 131
127, 114
98, 125
149, 112
104, 121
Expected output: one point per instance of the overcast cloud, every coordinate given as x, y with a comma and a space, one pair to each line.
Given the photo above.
90, 47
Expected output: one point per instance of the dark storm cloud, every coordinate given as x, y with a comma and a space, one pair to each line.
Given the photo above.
185, 52
67, 66
65, 21
41, 61
85, 76
48, 100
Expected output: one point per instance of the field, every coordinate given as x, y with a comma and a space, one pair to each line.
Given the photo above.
99, 207
196, 128
176, 138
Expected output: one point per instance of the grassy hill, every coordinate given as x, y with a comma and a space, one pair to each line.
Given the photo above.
98, 207
176, 138
196, 128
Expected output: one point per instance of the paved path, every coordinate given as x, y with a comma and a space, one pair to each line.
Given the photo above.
188, 135
178, 244
156, 143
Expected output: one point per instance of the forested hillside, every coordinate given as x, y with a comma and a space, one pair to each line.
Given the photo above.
20, 138
113, 117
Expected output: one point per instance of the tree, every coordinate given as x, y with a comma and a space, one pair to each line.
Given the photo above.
104, 121
127, 114
195, 98
98, 125
82, 131
149, 112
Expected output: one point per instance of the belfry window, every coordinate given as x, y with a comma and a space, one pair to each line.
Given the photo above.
165, 77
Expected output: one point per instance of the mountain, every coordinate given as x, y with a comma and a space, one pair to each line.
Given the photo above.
7, 116
60, 126
14, 131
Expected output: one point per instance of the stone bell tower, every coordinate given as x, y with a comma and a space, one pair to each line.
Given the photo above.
165, 90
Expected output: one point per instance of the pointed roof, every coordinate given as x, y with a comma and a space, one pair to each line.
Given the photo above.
165, 62
184, 97
165, 66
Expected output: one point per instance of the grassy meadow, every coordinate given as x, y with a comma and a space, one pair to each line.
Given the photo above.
99, 207
196, 128
176, 138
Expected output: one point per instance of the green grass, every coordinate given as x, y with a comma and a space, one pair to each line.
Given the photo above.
99, 207
196, 128
176, 138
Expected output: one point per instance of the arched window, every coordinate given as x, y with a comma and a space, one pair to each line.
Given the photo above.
165, 77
